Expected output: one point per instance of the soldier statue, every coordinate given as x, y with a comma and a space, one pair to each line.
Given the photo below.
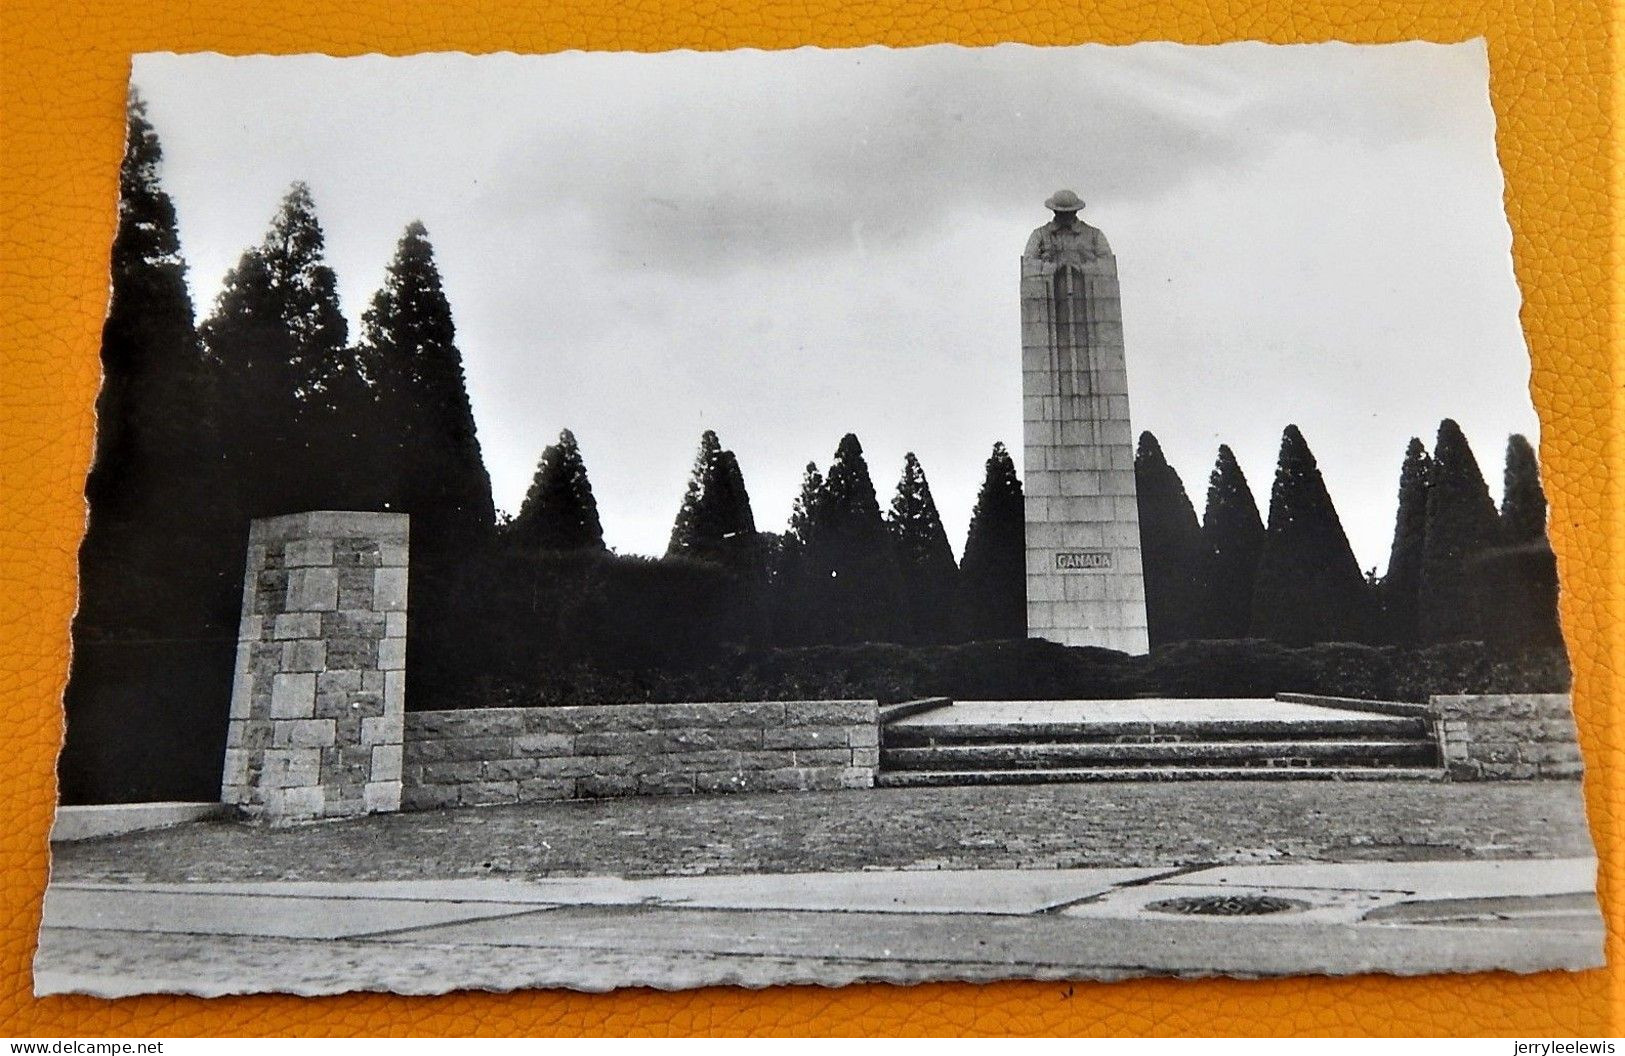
1066, 239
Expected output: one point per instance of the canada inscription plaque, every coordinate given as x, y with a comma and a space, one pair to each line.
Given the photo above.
1083, 561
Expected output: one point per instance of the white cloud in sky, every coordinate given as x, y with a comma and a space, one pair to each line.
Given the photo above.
787, 246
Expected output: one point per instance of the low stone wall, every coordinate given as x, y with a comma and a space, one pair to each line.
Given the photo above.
1374, 707
115, 819
524, 755
890, 713
1485, 737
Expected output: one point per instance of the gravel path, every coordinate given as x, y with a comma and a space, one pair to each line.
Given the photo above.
1011, 826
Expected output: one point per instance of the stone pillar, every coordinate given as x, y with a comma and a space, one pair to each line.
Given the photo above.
319, 701
1085, 582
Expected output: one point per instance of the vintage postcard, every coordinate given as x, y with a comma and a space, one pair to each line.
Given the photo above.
601, 520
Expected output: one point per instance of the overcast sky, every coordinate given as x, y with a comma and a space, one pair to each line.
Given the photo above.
787, 246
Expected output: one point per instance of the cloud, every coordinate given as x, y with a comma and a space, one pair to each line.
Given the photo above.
735, 160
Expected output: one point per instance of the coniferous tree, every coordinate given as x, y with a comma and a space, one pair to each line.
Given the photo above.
1232, 543
154, 440
1401, 585
1461, 526
743, 544
1171, 546
422, 457
993, 572
1518, 578
804, 516
293, 394
732, 478
1309, 587
925, 561
794, 591
559, 512
850, 555
427, 450
699, 514
715, 522
1523, 500
161, 564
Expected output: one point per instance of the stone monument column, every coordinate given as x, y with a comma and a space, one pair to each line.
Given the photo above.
319, 703
1085, 583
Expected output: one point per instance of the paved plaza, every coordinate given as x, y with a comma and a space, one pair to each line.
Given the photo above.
1240, 710
604, 932
1068, 881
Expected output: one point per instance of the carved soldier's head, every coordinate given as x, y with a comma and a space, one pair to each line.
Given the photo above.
1065, 205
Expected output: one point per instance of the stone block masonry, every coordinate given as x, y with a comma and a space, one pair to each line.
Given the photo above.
1487, 737
1084, 576
319, 698
522, 755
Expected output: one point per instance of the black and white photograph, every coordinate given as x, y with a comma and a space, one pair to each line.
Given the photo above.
612, 519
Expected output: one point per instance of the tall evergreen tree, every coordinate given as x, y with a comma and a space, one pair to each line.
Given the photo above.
794, 592
417, 444
1232, 543
805, 515
559, 512
1401, 585
925, 561
715, 521
1523, 500
699, 500
1309, 587
308, 303
849, 553
1171, 544
732, 479
1519, 589
293, 393
1461, 526
154, 440
993, 572
426, 458
162, 562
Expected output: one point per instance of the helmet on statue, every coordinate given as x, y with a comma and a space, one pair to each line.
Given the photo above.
1063, 202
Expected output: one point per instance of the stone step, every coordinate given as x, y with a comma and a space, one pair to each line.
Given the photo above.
946, 778
1027, 756
1376, 727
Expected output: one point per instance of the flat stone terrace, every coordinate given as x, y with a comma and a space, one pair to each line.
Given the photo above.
1159, 711
1220, 721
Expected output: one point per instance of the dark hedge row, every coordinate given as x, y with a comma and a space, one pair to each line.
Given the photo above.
1034, 670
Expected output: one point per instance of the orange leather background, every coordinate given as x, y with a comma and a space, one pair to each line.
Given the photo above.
64, 68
